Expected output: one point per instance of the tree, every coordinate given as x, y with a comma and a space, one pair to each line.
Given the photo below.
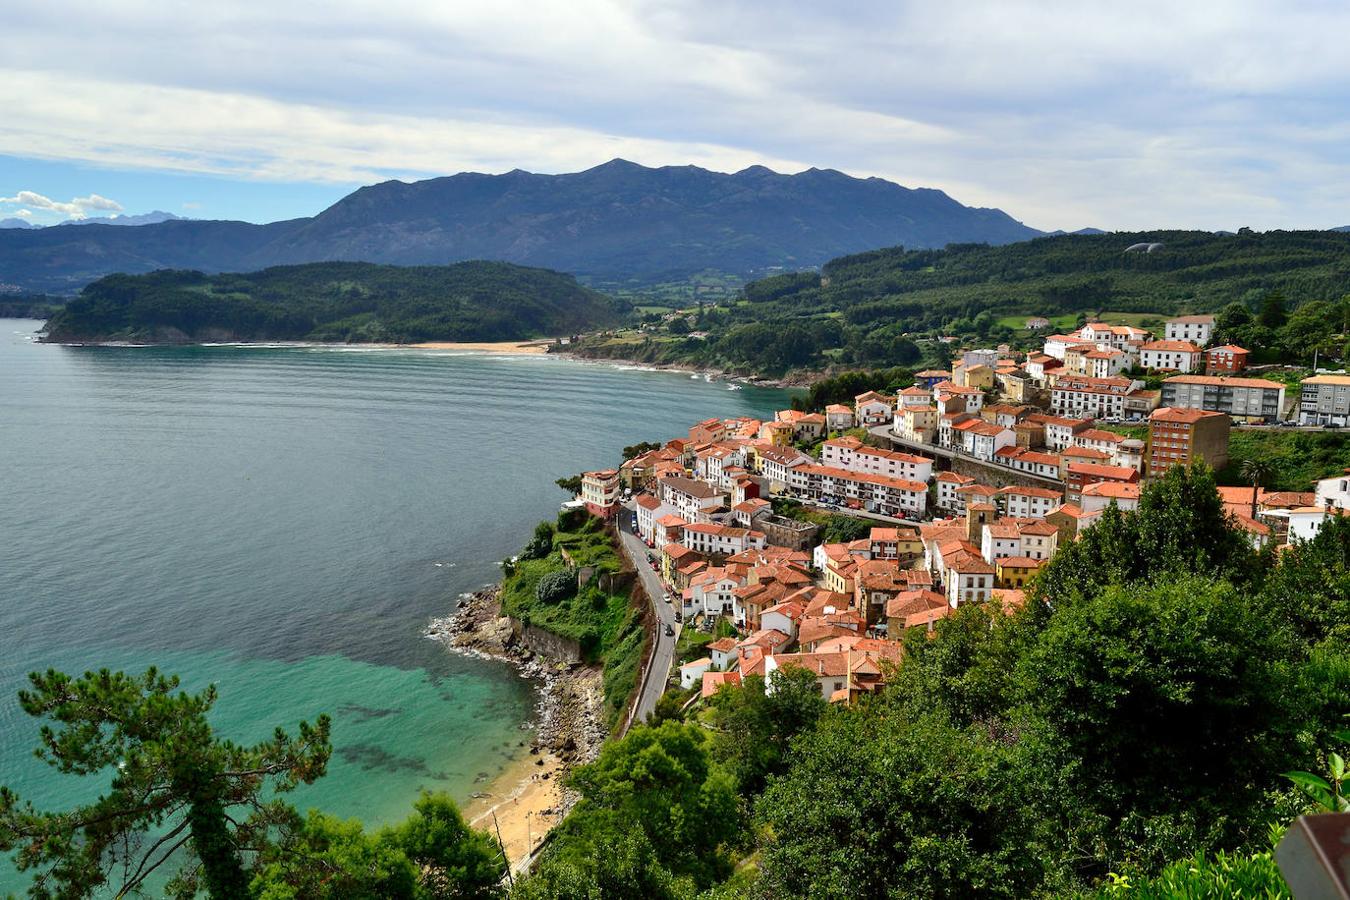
662, 781
1180, 526
1258, 472
541, 543
622, 865
640, 448
883, 802
753, 727
571, 484
432, 855
1272, 314
173, 786
1308, 588
1170, 705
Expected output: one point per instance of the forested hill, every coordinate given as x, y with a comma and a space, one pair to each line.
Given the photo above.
617, 224
471, 301
866, 309
1194, 271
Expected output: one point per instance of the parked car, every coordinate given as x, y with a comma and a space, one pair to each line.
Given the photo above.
670, 630
669, 598
678, 616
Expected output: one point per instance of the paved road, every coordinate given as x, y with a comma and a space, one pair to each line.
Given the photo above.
664, 657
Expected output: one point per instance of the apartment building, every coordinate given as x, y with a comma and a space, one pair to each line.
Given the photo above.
1177, 437
1249, 398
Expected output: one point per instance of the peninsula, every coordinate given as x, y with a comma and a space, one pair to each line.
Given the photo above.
336, 302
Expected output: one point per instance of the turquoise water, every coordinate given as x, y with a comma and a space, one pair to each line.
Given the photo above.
284, 522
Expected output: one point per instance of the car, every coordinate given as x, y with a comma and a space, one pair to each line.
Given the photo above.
670, 630
1331, 425
678, 616
669, 598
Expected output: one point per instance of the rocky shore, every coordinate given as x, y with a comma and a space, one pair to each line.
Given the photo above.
569, 723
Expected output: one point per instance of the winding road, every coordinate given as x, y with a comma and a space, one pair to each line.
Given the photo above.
658, 675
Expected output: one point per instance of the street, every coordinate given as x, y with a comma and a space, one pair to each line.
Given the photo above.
664, 655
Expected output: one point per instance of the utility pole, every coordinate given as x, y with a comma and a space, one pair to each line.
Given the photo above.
510, 878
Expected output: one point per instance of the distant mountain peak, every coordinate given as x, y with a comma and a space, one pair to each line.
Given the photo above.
616, 222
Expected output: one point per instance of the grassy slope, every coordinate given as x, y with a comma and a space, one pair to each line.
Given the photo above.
606, 625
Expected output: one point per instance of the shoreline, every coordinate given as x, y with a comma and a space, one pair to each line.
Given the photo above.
527, 798
528, 347
533, 346
800, 382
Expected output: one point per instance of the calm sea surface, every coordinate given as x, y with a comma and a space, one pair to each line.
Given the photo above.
284, 522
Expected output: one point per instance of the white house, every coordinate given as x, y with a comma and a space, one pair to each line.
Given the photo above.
983, 439
776, 465
1334, 492
948, 483
1099, 495
649, 509
1197, 329
693, 500
1172, 356
838, 417
1030, 502
712, 593
967, 577
1091, 397
1306, 521
872, 408
1000, 540
691, 673
852, 455
721, 540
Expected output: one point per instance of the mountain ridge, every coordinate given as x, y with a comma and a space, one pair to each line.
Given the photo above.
619, 222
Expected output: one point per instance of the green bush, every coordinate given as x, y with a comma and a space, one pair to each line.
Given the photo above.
1220, 877
555, 587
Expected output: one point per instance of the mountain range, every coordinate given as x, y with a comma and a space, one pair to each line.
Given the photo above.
618, 224
150, 218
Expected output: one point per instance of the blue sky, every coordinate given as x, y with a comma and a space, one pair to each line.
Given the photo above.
1140, 115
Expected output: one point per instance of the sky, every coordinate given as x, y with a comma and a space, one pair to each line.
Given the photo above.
1126, 116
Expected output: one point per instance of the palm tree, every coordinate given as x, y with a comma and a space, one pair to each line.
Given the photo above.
1257, 471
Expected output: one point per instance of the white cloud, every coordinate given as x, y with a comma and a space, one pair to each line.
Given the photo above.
24, 213
76, 208
1213, 113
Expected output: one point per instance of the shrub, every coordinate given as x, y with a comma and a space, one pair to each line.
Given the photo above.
555, 587
541, 544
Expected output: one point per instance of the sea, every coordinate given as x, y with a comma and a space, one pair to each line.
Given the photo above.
283, 522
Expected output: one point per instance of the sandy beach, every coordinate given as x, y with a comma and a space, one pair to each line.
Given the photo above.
528, 797
486, 346
526, 800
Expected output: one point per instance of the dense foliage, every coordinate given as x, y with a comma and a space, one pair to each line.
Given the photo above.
472, 301
868, 309
29, 306
1124, 732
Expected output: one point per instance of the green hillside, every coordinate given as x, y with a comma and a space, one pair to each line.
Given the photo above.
337, 301
875, 309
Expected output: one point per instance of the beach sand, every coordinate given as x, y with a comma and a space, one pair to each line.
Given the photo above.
527, 800
486, 346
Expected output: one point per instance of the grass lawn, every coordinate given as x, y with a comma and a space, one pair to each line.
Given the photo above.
1067, 322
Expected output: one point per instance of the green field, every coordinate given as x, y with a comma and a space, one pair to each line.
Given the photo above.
1069, 321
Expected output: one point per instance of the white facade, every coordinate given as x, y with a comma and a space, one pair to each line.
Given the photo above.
1197, 329
1030, 503
721, 540
1172, 356
1334, 492
853, 456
